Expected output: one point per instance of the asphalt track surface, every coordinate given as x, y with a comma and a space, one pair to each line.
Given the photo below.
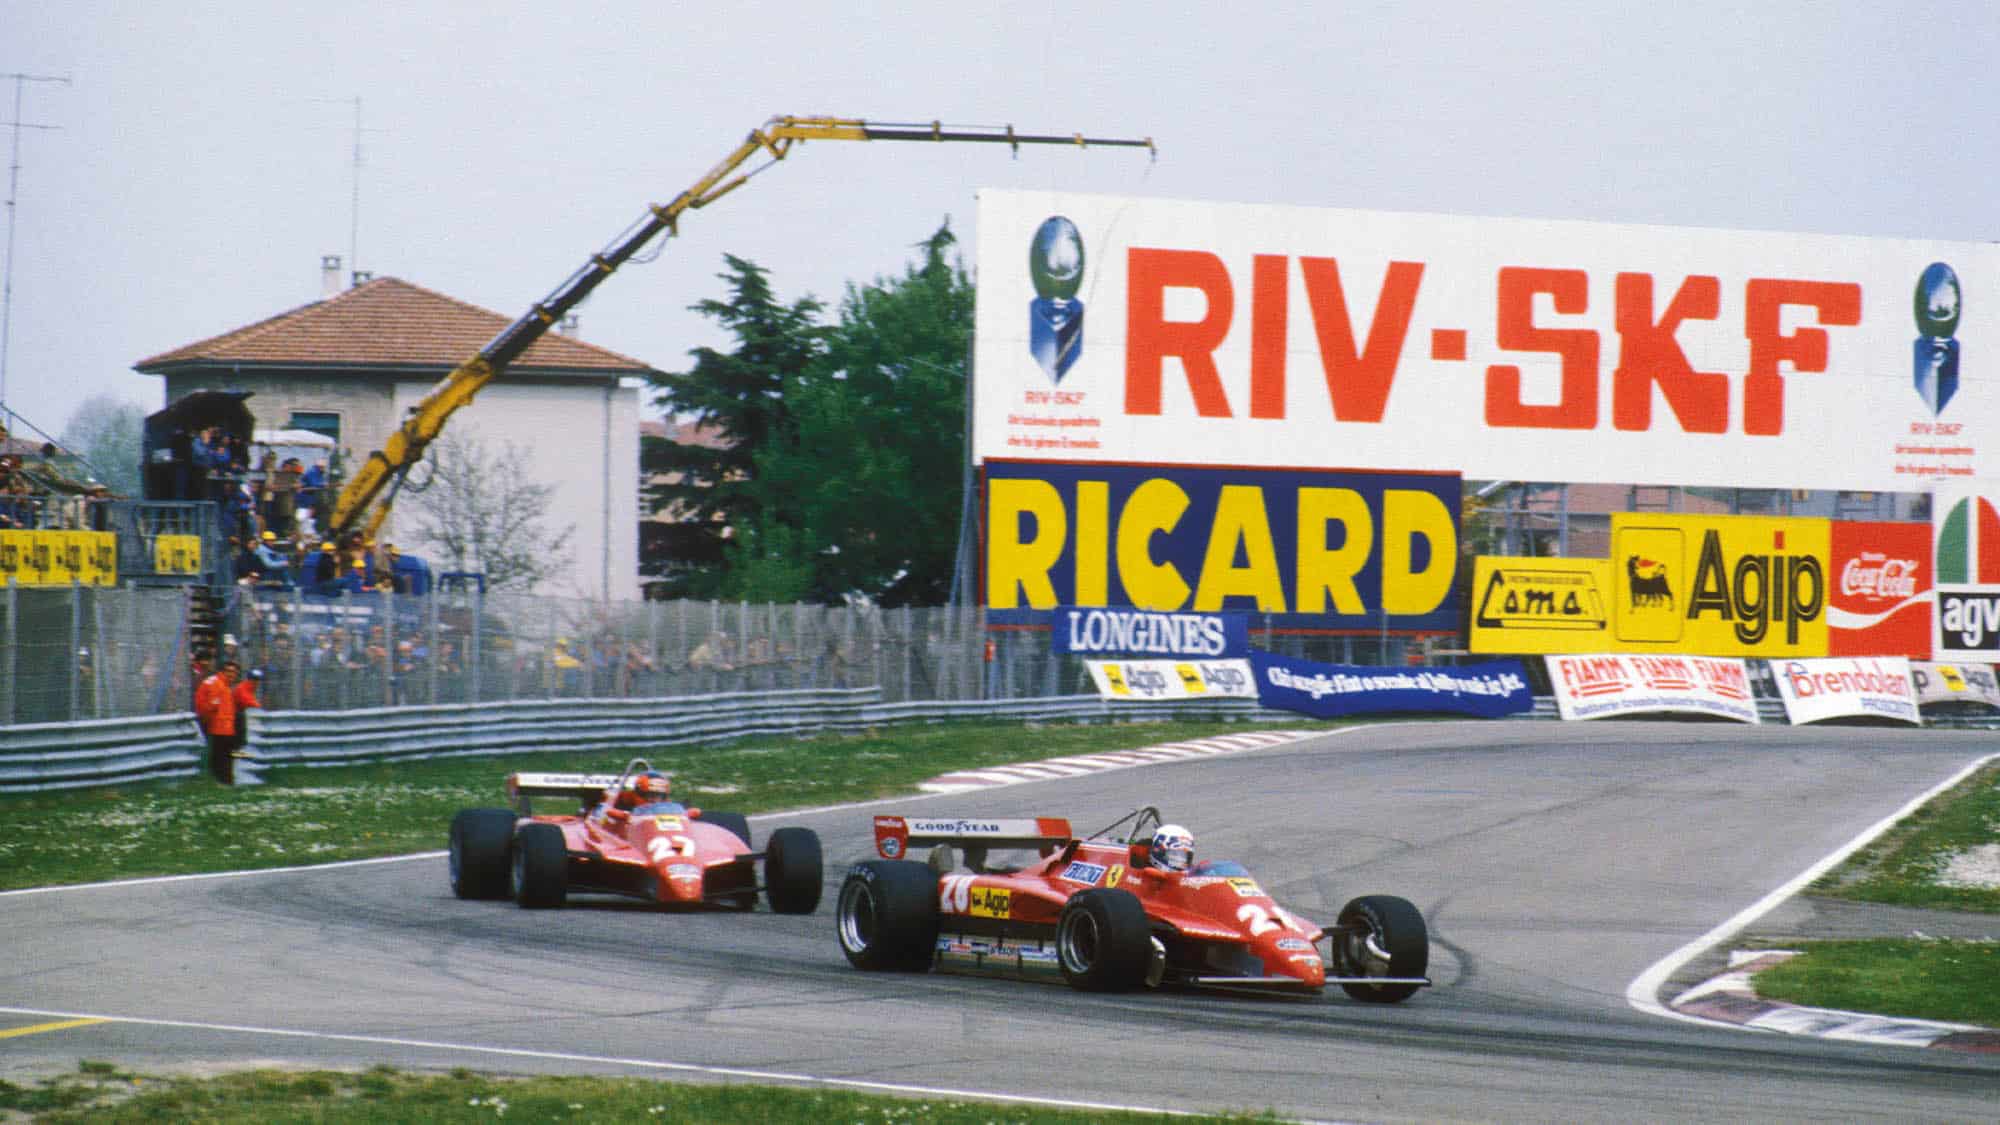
1556, 864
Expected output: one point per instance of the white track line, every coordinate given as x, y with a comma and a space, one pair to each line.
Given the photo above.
898, 1088
1643, 992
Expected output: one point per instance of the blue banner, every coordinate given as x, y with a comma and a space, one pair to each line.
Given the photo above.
1330, 691
1089, 631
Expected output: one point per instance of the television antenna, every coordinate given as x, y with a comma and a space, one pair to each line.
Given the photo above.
13, 191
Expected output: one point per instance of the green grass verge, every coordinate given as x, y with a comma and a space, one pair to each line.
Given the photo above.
1934, 980
100, 1093
1903, 867
308, 815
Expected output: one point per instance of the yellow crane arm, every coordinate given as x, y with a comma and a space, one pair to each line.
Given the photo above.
362, 504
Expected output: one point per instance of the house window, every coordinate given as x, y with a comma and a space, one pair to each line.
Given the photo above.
321, 422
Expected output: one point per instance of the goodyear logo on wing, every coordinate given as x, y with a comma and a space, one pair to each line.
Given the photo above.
953, 827
1081, 872
989, 902
1310, 549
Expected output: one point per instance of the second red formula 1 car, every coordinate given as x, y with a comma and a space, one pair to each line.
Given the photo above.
1122, 908
630, 838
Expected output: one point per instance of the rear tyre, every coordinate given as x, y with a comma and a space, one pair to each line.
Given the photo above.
1103, 941
480, 842
793, 873
734, 821
541, 862
888, 915
1371, 927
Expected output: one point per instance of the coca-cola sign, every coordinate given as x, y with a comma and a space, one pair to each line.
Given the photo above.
1880, 601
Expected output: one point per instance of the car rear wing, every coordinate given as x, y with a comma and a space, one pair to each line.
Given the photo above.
581, 787
896, 835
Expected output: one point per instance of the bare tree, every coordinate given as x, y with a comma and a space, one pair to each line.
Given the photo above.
478, 513
106, 432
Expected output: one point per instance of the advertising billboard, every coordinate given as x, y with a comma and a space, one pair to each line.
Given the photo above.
1719, 585
1615, 685
1965, 527
1967, 684
58, 558
1353, 551
1878, 599
1176, 332
1489, 690
1815, 691
1134, 680
1533, 605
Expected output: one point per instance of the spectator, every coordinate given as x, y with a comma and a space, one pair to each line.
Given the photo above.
282, 514
272, 563
714, 653
312, 486
246, 697
215, 709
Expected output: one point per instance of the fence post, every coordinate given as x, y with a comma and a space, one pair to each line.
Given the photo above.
8, 681
431, 641
298, 669
75, 643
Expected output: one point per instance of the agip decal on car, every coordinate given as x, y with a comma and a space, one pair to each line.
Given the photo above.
1248, 888
671, 823
1081, 872
958, 895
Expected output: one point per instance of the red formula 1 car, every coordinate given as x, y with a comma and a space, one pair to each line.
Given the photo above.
1108, 912
628, 839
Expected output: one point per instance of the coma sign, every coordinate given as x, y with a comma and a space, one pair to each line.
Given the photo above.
1319, 550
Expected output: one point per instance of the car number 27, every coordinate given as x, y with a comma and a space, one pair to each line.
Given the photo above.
663, 848
1262, 921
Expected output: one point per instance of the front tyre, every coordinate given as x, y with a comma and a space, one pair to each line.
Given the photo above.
541, 867
480, 842
1103, 941
1380, 936
888, 915
793, 874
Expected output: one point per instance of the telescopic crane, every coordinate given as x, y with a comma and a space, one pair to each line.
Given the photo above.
365, 499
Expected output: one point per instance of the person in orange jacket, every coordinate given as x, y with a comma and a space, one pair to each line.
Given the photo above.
215, 708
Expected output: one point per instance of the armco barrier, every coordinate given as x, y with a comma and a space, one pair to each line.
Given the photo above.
103, 752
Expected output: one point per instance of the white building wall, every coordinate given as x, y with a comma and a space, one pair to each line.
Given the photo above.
582, 439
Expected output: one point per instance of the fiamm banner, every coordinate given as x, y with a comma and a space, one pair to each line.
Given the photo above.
1719, 585
1159, 331
1531, 605
1878, 600
1611, 685
1172, 679
1869, 687
1360, 552
1965, 524
1488, 690
1954, 683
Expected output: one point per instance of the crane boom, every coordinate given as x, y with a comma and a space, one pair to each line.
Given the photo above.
362, 504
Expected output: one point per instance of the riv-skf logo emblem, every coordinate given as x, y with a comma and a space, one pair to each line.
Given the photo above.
1935, 352
1055, 316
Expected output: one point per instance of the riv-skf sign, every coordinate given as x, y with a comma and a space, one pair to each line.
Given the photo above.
1172, 332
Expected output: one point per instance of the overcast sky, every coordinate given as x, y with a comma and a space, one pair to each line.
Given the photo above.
202, 156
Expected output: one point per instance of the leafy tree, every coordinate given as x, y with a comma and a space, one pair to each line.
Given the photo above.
744, 396
477, 514
862, 492
107, 433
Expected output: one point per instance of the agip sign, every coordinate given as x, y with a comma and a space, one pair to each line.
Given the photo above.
1155, 331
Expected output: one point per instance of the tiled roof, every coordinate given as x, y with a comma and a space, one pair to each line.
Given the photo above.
683, 433
386, 322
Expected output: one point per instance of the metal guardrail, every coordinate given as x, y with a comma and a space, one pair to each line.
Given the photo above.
110, 751
114, 751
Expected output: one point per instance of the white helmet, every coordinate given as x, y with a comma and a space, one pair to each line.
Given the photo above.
1173, 848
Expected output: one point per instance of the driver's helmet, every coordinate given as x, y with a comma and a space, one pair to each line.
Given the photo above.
645, 789
1173, 848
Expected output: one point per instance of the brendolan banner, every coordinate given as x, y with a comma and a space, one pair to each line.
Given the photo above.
1090, 631
1489, 690
1954, 683
1172, 679
1612, 685
1851, 688
1159, 331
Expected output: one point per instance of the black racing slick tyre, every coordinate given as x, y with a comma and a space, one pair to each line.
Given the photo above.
792, 870
888, 915
1103, 941
480, 841
541, 867
1380, 936
734, 821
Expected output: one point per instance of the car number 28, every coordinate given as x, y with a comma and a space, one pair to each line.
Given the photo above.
662, 848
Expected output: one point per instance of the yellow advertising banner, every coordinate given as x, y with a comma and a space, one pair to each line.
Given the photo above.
177, 554
1531, 605
56, 558
1719, 585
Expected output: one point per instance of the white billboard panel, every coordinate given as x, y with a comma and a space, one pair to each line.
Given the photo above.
1190, 333
1846, 688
